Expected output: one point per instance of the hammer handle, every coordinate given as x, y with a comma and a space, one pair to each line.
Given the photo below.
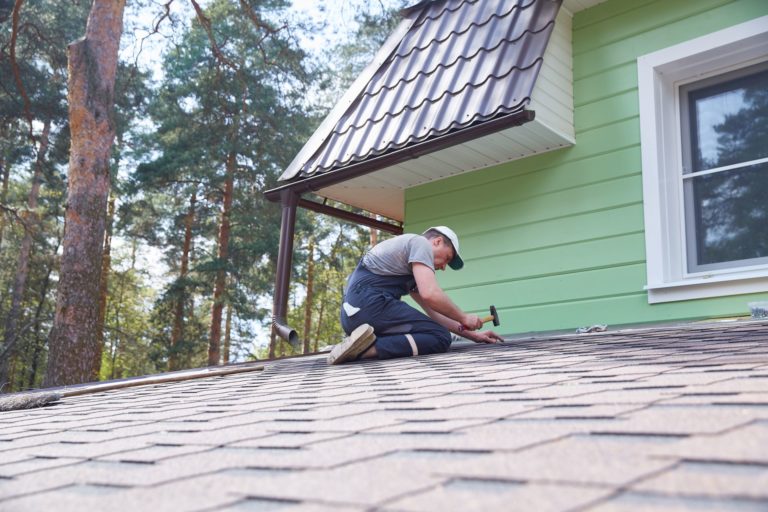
483, 319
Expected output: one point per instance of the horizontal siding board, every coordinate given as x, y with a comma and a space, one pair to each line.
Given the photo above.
608, 11
588, 284
569, 257
571, 230
606, 138
608, 83
548, 173
624, 27
607, 111
518, 192
599, 196
712, 18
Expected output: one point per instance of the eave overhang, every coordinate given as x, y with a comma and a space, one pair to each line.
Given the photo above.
319, 182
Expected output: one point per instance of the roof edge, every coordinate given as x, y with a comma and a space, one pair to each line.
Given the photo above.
315, 183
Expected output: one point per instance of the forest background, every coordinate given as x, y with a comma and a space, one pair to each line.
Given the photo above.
212, 100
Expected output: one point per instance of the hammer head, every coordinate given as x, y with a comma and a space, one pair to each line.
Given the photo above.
495, 316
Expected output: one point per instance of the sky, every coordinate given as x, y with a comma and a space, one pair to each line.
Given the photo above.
334, 21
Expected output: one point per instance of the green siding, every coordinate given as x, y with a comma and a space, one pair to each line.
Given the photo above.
556, 241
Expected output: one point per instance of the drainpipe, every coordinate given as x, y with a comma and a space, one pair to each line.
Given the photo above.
289, 201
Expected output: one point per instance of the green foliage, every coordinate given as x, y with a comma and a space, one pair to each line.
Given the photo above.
248, 94
128, 330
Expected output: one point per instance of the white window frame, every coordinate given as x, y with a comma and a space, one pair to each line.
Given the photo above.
660, 75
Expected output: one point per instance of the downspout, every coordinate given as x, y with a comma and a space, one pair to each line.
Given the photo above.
289, 201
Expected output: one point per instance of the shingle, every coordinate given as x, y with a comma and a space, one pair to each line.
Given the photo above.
575, 460
303, 435
711, 479
462, 495
651, 502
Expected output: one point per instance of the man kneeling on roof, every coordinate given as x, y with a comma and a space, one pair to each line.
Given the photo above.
380, 325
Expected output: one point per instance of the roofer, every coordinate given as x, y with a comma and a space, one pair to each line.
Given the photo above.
380, 325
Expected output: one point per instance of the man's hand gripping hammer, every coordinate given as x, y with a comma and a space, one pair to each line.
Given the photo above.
493, 316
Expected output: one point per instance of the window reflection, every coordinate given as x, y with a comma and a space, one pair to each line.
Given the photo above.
730, 122
730, 211
727, 210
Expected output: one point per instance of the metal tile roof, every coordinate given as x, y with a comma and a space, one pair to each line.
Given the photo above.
450, 65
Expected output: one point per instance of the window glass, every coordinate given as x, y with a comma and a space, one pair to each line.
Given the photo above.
729, 213
725, 184
729, 122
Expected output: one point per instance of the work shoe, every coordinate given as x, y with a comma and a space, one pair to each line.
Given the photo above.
353, 345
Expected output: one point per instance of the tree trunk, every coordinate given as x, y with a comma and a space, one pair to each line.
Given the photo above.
6, 173
214, 347
177, 333
92, 68
11, 334
227, 334
310, 293
106, 264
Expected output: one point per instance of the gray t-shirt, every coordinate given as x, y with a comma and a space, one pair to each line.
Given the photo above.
393, 257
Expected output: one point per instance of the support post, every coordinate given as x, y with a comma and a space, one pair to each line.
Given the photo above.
289, 201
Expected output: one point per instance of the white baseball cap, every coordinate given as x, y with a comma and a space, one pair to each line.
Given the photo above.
456, 262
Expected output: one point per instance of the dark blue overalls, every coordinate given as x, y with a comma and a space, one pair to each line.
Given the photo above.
401, 330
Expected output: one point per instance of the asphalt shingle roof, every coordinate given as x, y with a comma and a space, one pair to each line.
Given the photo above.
651, 419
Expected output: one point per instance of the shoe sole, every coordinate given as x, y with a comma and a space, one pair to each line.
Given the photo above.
353, 345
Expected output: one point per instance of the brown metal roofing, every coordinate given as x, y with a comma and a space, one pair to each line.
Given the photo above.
459, 63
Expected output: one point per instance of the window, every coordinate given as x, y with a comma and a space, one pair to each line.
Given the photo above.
725, 170
704, 141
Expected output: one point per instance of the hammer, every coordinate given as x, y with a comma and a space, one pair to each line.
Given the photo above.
493, 316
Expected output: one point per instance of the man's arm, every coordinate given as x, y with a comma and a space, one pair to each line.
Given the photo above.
476, 336
434, 300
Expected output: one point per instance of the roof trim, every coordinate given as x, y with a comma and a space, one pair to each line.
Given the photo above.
331, 120
363, 167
